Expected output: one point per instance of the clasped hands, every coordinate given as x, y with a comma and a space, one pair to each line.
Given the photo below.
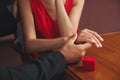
76, 45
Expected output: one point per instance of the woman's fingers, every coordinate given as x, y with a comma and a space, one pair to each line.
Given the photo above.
93, 39
90, 36
84, 37
96, 34
98, 43
96, 37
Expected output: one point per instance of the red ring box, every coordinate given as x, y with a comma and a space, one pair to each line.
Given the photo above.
89, 63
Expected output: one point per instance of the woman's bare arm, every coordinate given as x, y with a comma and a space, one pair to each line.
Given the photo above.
31, 42
68, 24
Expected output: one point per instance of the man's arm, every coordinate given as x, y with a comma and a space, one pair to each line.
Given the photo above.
50, 67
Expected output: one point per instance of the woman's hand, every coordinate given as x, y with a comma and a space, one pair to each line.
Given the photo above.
89, 36
72, 52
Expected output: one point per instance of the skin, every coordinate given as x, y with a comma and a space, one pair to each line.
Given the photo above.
90, 36
14, 8
69, 48
68, 24
56, 10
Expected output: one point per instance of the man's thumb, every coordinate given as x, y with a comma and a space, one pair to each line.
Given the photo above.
73, 38
86, 45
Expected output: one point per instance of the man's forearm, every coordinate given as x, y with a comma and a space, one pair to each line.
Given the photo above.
50, 67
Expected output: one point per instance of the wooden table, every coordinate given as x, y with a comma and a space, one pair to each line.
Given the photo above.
108, 61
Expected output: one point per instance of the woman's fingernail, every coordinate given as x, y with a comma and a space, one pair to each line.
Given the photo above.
102, 39
100, 45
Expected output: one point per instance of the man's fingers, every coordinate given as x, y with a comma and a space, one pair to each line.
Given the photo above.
85, 46
73, 38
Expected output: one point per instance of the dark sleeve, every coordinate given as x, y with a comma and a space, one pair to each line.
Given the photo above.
50, 67
7, 21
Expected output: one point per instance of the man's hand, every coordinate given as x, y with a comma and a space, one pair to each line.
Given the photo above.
73, 52
89, 36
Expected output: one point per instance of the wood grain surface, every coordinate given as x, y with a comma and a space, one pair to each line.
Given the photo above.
108, 61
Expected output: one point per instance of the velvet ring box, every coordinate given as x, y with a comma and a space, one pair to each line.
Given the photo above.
89, 63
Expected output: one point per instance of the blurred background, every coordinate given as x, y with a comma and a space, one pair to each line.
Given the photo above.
102, 16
